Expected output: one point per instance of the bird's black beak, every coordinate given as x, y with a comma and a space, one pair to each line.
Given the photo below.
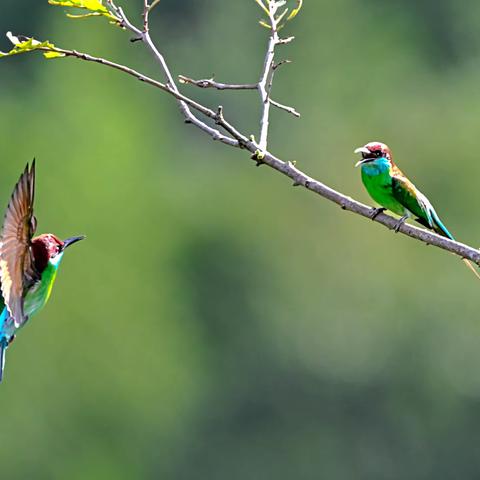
366, 154
72, 240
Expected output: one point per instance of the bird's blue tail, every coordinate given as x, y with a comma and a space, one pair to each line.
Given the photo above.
3, 349
441, 228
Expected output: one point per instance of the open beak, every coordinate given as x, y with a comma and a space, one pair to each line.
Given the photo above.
363, 151
72, 240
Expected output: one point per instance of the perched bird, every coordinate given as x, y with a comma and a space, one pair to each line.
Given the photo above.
389, 187
28, 266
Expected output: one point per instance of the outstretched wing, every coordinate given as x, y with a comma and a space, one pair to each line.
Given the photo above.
17, 270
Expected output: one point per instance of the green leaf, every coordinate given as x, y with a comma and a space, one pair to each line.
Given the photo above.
23, 44
295, 11
95, 8
262, 6
92, 5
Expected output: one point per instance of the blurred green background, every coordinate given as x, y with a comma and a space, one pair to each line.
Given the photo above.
217, 323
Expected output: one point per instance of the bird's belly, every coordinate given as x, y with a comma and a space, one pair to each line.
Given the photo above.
37, 297
379, 186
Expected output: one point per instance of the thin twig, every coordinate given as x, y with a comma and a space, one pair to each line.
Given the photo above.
146, 11
154, 4
285, 108
170, 86
214, 133
183, 102
211, 83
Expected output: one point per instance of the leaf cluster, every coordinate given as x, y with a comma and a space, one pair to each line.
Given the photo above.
22, 44
272, 7
94, 8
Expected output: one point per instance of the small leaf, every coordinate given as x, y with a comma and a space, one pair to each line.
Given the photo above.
53, 54
92, 5
262, 6
295, 11
23, 44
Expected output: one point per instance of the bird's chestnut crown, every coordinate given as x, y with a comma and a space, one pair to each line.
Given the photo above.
373, 150
48, 246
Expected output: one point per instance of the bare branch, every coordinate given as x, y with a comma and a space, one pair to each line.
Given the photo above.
259, 150
280, 63
146, 11
285, 108
211, 83
265, 84
284, 41
288, 169
154, 4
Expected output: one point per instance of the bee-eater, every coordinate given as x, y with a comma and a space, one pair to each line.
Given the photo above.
28, 266
389, 187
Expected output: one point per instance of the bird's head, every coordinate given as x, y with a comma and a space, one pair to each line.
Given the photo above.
49, 248
373, 151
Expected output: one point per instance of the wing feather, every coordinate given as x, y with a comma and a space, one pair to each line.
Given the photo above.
410, 197
17, 269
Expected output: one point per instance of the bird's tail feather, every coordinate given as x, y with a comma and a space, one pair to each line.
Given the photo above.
442, 230
439, 226
3, 349
470, 265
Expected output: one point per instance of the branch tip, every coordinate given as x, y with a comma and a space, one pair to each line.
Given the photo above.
284, 41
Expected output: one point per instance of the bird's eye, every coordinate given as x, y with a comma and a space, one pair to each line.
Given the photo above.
378, 153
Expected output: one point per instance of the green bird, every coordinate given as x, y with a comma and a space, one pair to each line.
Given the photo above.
28, 265
389, 187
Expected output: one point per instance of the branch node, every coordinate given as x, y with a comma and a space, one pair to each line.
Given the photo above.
258, 157
219, 116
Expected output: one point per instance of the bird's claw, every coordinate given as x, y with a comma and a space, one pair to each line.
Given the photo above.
399, 224
376, 211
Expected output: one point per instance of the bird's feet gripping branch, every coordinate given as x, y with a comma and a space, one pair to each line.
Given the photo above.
376, 212
28, 265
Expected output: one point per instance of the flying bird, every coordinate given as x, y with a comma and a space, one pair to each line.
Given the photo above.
390, 188
28, 265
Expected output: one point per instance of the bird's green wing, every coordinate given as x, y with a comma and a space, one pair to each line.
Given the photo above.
412, 199
17, 269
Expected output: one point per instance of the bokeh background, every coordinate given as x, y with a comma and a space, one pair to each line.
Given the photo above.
218, 323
